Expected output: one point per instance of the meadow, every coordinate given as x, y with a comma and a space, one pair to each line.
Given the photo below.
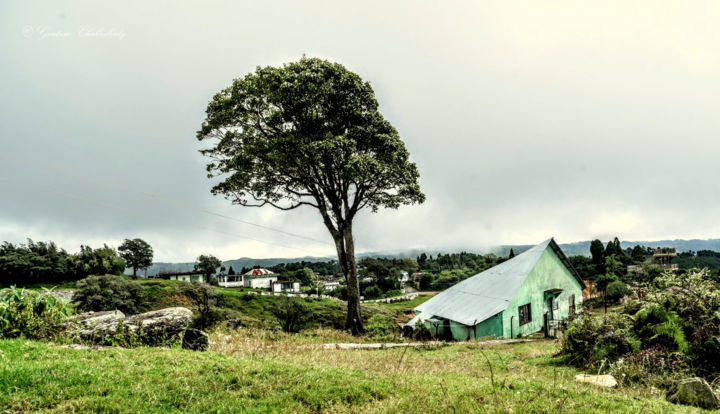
255, 370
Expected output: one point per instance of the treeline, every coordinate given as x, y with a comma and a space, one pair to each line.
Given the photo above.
44, 262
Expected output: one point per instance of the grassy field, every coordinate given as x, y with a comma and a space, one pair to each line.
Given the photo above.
259, 371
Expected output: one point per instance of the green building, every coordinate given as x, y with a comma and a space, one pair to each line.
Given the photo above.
517, 297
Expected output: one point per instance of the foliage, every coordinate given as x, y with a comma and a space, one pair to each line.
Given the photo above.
31, 314
204, 297
382, 327
421, 332
309, 133
34, 262
676, 320
208, 264
372, 292
291, 313
617, 290
137, 253
100, 261
109, 292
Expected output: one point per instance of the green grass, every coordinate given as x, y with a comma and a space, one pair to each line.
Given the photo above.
253, 371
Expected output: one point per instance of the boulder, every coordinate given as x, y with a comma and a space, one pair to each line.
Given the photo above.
693, 391
607, 381
96, 326
195, 340
159, 327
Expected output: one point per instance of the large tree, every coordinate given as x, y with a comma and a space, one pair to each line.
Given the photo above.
208, 264
137, 254
309, 133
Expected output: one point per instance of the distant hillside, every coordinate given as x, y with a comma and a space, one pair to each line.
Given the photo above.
581, 248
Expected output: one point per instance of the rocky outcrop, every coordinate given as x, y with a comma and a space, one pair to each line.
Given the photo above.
161, 326
693, 391
96, 326
154, 328
196, 340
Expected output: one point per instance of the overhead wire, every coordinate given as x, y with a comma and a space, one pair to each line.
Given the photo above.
167, 200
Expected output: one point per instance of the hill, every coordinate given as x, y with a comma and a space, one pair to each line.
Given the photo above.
580, 248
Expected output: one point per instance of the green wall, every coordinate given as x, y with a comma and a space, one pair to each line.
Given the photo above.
549, 273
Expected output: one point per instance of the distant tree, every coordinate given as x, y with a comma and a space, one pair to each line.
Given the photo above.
231, 271
638, 254
372, 292
137, 254
512, 254
208, 264
597, 251
309, 133
100, 261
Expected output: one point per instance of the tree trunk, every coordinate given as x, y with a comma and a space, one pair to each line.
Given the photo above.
346, 257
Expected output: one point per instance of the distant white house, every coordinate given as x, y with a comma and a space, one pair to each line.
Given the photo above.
404, 276
231, 280
331, 285
285, 286
259, 279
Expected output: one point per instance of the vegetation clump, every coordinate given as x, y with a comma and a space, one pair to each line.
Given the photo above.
31, 314
670, 331
109, 292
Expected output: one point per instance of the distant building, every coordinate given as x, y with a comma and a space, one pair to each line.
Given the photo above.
404, 276
538, 289
231, 280
285, 286
259, 279
194, 276
331, 285
663, 257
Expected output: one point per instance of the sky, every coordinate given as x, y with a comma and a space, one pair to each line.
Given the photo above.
527, 120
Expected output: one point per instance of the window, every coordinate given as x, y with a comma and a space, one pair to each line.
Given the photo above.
524, 314
572, 304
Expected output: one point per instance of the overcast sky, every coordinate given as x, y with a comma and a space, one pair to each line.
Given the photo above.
526, 119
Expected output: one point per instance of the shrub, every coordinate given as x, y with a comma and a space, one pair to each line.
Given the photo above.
31, 314
372, 292
381, 327
421, 332
292, 314
617, 290
204, 297
109, 292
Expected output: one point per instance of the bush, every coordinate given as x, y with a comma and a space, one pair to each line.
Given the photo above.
31, 314
421, 332
372, 292
617, 290
292, 314
109, 292
381, 327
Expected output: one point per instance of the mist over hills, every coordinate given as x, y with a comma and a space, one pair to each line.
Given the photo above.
570, 249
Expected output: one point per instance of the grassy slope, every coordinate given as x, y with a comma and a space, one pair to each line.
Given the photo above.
251, 372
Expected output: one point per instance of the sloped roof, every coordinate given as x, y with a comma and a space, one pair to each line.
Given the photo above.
488, 293
259, 272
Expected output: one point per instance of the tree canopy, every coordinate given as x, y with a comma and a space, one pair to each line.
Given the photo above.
137, 254
309, 133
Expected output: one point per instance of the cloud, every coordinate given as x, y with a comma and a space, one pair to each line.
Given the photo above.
526, 120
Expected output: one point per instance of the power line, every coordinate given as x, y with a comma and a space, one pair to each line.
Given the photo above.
116, 207
156, 197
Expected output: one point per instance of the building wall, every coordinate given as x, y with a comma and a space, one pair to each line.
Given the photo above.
548, 273
460, 332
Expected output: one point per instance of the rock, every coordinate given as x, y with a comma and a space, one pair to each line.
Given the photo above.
159, 327
151, 328
693, 391
607, 381
96, 326
195, 340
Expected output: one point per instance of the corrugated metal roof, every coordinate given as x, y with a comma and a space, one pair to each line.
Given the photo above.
486, 294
